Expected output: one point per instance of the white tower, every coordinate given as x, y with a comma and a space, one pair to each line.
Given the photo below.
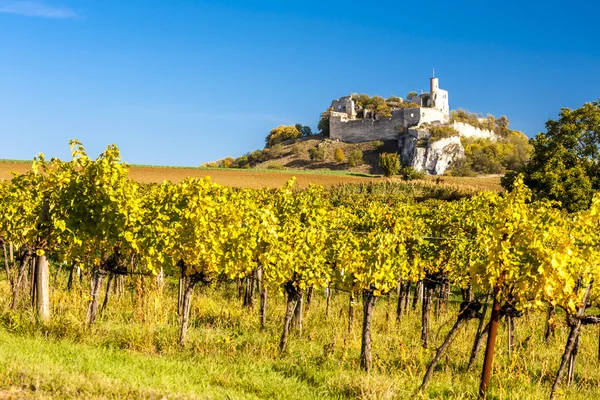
438, 97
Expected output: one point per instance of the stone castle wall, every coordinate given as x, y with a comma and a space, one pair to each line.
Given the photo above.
367, 130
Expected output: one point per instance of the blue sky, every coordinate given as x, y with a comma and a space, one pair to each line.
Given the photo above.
184, 82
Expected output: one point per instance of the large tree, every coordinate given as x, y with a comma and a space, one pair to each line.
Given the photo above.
565, 164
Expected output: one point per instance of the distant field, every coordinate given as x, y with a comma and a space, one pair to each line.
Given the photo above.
263, 178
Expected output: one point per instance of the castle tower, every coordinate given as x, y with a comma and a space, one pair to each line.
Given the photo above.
438, 97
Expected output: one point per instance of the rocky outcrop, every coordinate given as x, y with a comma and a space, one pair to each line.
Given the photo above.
434, 157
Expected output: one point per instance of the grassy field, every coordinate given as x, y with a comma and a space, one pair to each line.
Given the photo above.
258, 178
132, 352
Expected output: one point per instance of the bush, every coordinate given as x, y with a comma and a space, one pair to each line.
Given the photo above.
317, 154
339, 155
439, 132
355, 158
210, 165
275, 166
376, 144
390, 163
228, 162
410, 174
242, 162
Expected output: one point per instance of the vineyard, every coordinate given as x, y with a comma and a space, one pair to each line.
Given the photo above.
346, 273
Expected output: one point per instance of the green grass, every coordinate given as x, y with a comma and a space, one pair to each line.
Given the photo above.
132, 352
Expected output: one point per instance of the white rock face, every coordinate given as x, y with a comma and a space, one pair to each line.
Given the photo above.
435, 157
470, 131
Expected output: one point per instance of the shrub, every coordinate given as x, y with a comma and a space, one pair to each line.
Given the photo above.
339, 155
410, 174
317, 154
275, 166
228, 162
355, 158
242, 162
390, 163
376, 144
439, 132
210, 165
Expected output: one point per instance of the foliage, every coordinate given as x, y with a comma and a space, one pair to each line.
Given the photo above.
565, 164
317, 153
304, 130
281, 134
355, 158
339, 155
410, 174
376, 144
484, 156
390, 163
228, 162
438, 132
323, 125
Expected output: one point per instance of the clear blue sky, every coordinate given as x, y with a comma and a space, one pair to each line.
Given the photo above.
184, 82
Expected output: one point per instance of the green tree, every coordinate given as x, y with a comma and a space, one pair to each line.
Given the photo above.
317, 154
390, 163
323, 125
281, 134
355, 158
565, 164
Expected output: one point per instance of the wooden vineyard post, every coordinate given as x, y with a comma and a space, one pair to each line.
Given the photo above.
489, 350
42, 276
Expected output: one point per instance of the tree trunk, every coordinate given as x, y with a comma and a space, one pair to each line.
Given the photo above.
262, 288
401, 300
309, 296
407, 297
42, 288
441, 350
7, 266
489, 350
366, 358
571, 341
186, 306
293, 295
549, 331
510, 322
328, 306
480, 333
417, 294
96, 282
298, 313
70, 280
111, 277
351, 305
22, 270
428, 296
571, 372
249, 294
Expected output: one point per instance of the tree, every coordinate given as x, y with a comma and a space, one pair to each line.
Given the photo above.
565, 164
355, 158
339, 155
390, 162
281, 134
304, 130
323, 126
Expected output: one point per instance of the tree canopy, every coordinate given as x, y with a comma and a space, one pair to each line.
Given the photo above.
565, 162
281, 134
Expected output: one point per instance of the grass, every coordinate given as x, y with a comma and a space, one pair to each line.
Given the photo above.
132, 352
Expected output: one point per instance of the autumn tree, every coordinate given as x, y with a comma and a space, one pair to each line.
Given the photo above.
281, 134
565, 164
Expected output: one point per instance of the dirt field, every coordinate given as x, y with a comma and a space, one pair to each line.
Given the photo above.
258, 179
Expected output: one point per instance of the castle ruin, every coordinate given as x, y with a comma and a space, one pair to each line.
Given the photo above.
346, 125
409, 126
